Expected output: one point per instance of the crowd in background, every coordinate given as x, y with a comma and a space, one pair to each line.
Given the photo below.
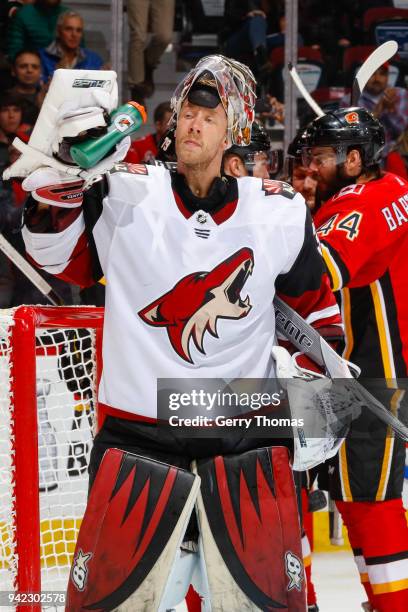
42, 35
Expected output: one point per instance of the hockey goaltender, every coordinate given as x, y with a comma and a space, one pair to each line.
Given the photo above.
192, 261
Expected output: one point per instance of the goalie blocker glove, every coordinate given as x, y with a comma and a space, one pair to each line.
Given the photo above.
48, 186
55, 188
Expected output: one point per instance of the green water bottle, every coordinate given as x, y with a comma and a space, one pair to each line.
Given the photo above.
125, 120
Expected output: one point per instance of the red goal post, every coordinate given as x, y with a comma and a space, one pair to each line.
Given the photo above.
50, 365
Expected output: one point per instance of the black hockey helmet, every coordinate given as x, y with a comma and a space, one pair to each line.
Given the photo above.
294, 154
297, 144
345, 128
260, 143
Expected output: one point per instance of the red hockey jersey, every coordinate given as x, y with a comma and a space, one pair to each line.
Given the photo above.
142, 150
363, 230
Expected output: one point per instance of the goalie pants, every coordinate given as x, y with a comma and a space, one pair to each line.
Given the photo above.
143, 438
148, 440
378, 535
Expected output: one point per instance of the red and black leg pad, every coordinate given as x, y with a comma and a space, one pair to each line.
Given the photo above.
249, 523
135, 519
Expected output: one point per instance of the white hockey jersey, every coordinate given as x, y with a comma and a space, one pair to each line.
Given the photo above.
189, 295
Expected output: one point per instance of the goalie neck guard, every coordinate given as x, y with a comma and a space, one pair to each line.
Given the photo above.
235, 85
342, 129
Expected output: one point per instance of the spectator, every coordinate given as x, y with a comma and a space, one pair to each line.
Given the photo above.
33, 26
8, 9
144, 59
145, 149
388, 104
6, 78
11, 125
11, 118
270, 111
244, 34
65, 51
27, 72
397, 159
277, 39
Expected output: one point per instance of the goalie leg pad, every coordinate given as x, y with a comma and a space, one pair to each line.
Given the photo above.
250, 533
136, 516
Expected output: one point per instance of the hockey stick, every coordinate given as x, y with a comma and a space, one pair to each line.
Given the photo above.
335, 524
302, 90
376, 59
305, 338
32, 274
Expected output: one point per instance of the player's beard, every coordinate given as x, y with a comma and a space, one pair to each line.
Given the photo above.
340, 179
198, 164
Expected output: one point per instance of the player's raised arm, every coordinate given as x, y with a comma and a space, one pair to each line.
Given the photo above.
79, 136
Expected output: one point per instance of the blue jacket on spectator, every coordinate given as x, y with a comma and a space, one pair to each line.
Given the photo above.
52, 55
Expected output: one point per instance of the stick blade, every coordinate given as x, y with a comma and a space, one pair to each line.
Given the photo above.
303, 91
377, 58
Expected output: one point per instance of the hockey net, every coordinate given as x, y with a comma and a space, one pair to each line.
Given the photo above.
49, 368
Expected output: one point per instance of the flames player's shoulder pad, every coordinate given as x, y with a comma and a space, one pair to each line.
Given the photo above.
272, 187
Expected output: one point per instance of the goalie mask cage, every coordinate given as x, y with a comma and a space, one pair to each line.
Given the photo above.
49, 369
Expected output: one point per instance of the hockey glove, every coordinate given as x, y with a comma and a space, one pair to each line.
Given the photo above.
56, 188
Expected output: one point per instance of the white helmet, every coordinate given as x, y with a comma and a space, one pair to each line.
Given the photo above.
235, 85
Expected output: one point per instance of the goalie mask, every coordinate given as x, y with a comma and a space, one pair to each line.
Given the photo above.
218, 79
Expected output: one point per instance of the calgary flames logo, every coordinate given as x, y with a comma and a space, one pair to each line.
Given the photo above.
351, 117
198, 300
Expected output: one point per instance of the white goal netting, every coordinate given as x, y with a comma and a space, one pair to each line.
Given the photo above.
65, 376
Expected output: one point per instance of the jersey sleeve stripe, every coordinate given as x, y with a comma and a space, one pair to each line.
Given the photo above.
323, 314
333, 268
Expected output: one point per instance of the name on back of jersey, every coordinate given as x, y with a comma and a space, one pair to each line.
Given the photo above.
396, 213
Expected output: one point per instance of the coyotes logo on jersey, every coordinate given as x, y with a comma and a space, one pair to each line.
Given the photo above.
199, 299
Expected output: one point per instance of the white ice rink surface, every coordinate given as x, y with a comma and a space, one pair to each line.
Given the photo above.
336, 582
